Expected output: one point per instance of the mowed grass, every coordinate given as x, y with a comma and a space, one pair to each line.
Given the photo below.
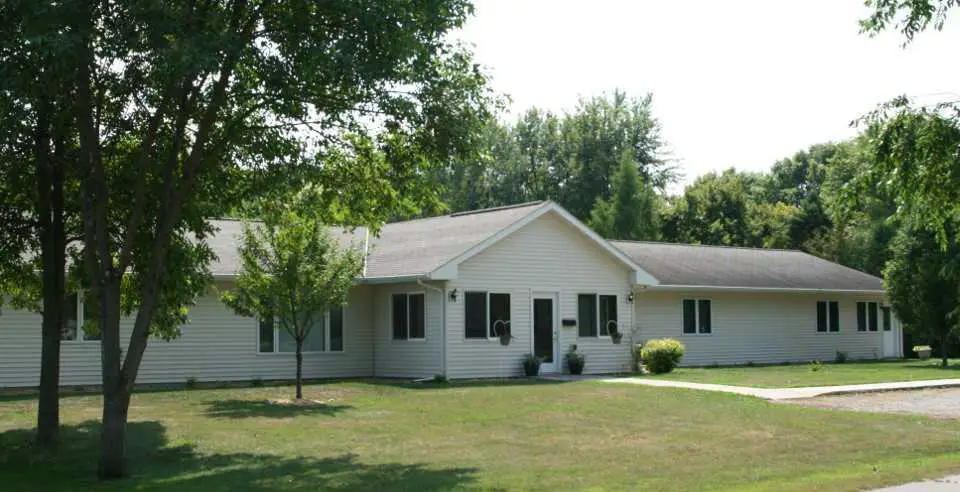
830, 374
513, 435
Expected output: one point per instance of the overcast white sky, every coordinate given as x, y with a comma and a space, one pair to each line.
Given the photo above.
738, 83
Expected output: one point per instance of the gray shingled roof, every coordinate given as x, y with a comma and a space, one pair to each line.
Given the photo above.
418, 247
224, 243
403, 249
713, 266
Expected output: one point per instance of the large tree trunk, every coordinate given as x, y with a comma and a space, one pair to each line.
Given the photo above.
116, 391
299, 369
113, 435
49, 207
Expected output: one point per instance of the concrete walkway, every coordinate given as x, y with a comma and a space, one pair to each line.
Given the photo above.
789, 393
951, 483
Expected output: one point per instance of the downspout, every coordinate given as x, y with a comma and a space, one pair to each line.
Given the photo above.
443, 324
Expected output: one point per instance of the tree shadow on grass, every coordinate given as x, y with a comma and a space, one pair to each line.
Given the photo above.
242, 409
157, 465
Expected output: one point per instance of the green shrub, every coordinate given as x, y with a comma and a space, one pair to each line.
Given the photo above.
841, 357
191, 383
575, 360
662, 355
256, 382
815, 365
531, 365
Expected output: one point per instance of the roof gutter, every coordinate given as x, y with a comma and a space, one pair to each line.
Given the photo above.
793, 290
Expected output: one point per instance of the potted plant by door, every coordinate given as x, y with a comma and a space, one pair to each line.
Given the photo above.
531, 365
923, 351
502, 329
575, 360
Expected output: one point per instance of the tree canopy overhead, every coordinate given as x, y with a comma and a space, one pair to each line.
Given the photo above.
177, 108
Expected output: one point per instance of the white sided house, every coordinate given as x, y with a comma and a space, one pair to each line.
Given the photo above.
437, 294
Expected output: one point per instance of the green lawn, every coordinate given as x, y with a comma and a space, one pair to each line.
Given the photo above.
514, 435
796, 375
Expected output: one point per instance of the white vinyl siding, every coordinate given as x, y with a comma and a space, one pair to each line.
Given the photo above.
755, 327
216, 345
545, 256
411, 357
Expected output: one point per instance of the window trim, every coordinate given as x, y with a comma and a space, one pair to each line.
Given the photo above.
696, 317
596, 300
81, 336
839, 317
326, 337
408, 338
486, 322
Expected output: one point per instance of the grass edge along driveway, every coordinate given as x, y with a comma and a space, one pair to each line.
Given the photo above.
801, 375
492, 435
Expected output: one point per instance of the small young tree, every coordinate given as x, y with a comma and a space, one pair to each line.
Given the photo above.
293, 269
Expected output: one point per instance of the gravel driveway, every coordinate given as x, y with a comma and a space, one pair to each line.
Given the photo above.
940, 403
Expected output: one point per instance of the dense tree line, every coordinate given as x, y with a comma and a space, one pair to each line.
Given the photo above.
606, 162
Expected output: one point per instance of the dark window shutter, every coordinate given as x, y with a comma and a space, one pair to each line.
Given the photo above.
872, 315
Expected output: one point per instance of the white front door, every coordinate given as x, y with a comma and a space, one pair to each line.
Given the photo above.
890, 341
545, 331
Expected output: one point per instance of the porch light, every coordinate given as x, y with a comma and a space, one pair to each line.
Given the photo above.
453, 295
630, 298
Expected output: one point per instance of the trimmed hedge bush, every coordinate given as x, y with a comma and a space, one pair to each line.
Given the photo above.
662, 355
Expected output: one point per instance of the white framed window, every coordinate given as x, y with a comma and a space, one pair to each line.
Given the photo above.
408, 316
828, 316
79, 319
596, 315
867, 316
326, 335
697, 316
486, 314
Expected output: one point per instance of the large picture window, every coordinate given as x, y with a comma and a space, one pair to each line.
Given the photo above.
486, 314
828, 316
409, 316
326, 335
697, 316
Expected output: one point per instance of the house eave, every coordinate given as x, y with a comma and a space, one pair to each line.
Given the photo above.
792, 290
